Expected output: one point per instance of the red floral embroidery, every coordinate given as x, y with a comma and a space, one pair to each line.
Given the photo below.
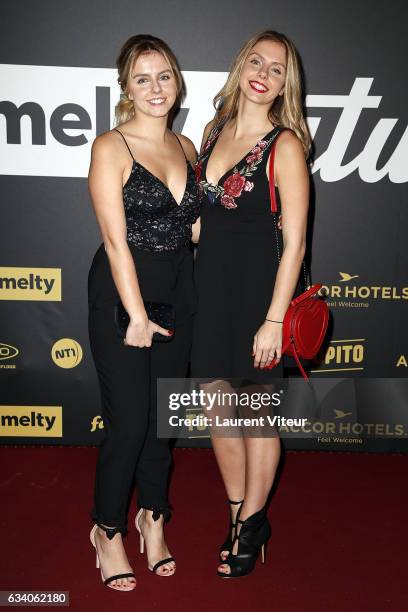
197, 170
234, 185
256, 155
228, 201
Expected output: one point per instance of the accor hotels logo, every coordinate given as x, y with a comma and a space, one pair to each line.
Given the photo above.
350, 292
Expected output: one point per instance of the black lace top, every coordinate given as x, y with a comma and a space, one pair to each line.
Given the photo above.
155, 222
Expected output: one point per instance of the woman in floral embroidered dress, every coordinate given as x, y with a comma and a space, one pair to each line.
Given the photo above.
243, 289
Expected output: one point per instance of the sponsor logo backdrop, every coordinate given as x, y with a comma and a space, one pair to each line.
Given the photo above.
57, 92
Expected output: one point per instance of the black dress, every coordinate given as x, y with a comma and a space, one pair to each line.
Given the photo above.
235, 267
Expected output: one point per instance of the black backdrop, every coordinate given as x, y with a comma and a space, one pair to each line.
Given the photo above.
57, 59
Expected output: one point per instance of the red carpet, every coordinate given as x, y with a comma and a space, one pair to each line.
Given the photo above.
339, 535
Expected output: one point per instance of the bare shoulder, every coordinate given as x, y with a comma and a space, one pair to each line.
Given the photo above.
188, 147
107, 146
288, 145
210, 125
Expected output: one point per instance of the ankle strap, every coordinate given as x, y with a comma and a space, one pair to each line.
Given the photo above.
110, 531
235, 503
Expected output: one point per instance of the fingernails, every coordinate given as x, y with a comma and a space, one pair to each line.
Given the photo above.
170, 332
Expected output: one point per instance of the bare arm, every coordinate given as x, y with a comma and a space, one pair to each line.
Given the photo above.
293, 182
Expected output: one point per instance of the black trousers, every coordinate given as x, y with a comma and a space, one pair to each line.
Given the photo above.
131, 452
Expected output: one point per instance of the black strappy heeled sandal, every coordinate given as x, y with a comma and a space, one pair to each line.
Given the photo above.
110, 532
227, 545
252, 538
141, 540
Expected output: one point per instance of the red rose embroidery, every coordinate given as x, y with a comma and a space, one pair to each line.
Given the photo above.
248, 186
234, 185
197, 171
262, 144
228, 202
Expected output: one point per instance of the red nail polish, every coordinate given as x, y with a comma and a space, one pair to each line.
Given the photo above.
170, 332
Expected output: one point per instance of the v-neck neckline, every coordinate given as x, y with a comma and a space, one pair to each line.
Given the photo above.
166, 187
237, 163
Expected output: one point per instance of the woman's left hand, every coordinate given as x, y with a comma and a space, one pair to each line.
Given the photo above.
267, 344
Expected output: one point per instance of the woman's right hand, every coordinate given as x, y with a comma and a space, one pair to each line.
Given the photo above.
140, 333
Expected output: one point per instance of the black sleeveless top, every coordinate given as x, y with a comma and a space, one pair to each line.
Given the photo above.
155, 221
240, 199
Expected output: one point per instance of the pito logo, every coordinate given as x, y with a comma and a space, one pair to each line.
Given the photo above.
66, 353
7, 351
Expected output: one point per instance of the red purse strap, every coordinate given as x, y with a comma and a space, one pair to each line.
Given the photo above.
272, 191
306, 294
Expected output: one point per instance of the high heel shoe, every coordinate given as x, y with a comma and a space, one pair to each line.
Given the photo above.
252, 538
107, 581
227, 545
141, 544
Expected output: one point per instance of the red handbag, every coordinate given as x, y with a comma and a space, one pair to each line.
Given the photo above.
306, 320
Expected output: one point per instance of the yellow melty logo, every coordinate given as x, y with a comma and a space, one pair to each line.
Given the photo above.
66, 353
42, 284
31, 421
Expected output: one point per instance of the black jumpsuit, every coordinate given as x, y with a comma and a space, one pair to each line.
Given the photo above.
158, 235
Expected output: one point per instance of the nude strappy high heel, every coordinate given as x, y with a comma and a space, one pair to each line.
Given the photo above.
141, 541
107, 581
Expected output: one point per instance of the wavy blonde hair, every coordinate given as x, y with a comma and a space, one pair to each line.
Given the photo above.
286, 110
130, 51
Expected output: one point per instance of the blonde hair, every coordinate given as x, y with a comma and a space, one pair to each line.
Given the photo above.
130, 51
286, 110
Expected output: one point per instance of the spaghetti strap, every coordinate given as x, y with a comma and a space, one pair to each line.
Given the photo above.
116, 130
182, 148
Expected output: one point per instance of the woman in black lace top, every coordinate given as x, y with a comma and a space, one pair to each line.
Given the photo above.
145, 198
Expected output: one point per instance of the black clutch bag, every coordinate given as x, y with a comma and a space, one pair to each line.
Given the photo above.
159, 312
